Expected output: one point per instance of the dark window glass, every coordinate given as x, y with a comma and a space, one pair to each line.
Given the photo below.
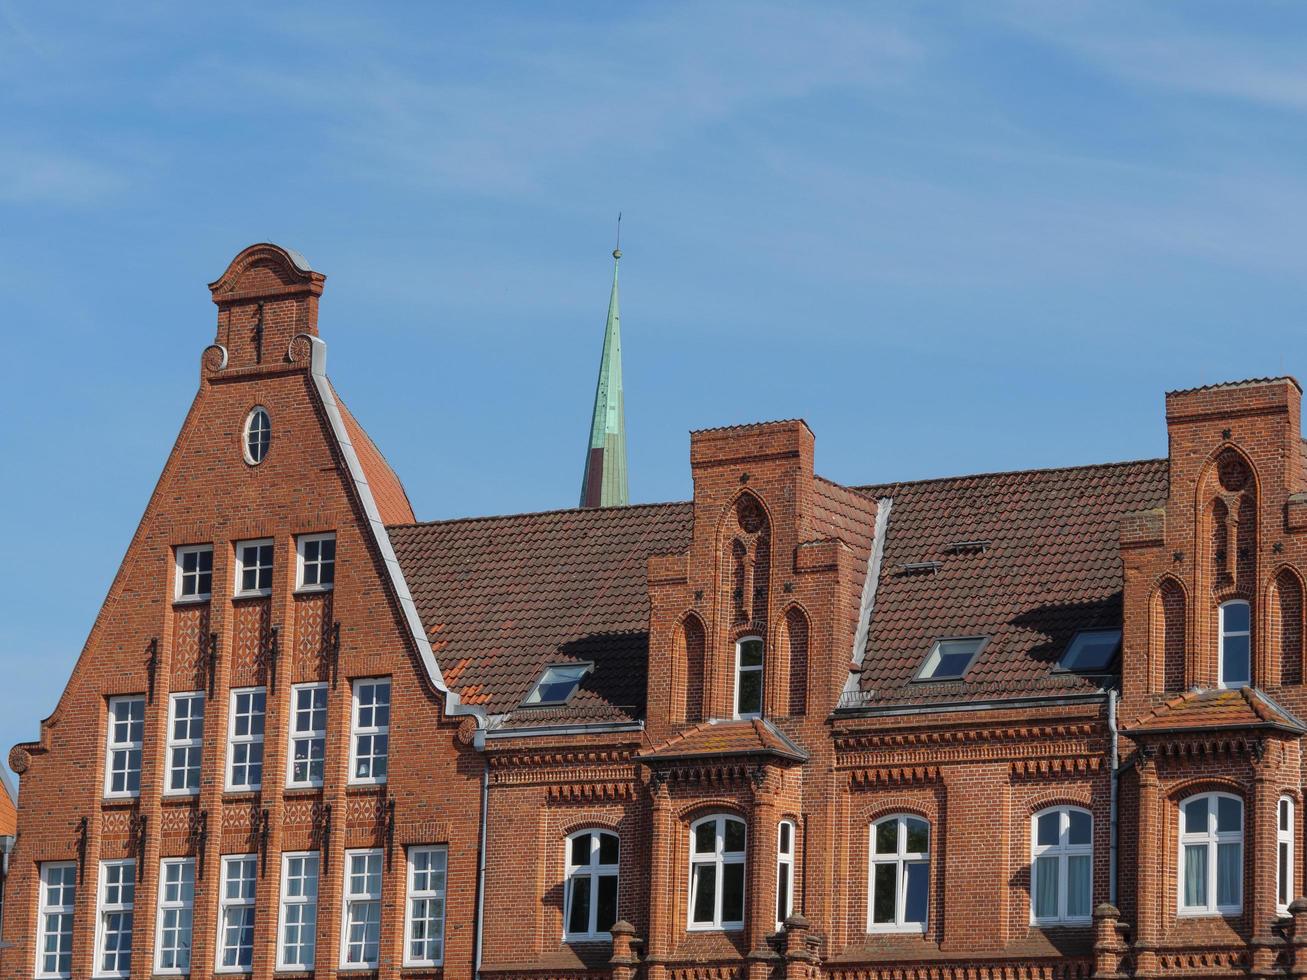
915, 899
734, 837
606, 913
705, 889
882, 909
607, 849
581, 849
750, 696
732, 893
578, 919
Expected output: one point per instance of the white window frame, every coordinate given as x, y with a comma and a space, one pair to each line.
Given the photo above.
900, 859
127, 746
1284, 854
179, 585
719, 860
593, 870
301, 563
351, 900
784, 872
1212, 839
1063, 851
1223, 634
312, 736
65, 911
237, 590
126, 868
179, 905
248, 739
739, 671
175, 745
245, 435
300, 901
228, 904
413, 895
357, 731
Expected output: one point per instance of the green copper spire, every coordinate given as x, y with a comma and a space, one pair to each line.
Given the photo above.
604, 483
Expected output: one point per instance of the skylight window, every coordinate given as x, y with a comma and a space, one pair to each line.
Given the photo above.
557, 684
1091, 650
949, 660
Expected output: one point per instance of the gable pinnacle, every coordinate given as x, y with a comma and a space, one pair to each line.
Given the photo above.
604, 482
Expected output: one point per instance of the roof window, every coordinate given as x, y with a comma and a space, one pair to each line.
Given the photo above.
557, 684
950, 659
1091, 651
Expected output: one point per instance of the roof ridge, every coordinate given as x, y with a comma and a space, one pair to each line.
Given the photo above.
540, 513
866, 487
748, 425
1241, 383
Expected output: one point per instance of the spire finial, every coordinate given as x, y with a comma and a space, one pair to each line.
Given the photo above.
617, 252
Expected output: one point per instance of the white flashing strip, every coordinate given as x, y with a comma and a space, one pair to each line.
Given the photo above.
318, 370
868, 606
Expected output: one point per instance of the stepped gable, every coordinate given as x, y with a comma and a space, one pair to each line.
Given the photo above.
1240, 708
1026, 558
504, 597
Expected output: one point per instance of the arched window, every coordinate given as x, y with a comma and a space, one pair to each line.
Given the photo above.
257, 435
1236, 644
590, 898
1284, 854
784, 872
1211, 855
717, 873
1061, 865
748, 677
899, 878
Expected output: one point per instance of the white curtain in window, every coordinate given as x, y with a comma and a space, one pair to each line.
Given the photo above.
1077, 886
1229, 868
1195, 875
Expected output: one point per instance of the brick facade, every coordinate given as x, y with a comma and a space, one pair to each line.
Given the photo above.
844, 590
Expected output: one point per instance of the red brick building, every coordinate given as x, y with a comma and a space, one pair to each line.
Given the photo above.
1041, 724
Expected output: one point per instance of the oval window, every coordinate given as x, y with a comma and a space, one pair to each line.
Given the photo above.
258, 433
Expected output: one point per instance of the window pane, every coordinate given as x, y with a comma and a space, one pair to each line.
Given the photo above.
1046, 882
705, 891
1049, 829
608, 848
887, 837
734, 842
1078, 884
1229, 874
885, 895
918, 874
1286, 809
782, 894
733, 893
606, 906
578, 918
918, 836
1235, 617
1195, 875
1079, 832
1195, 816
581, 849
1234, 659
784, 845
1229, 815
705, 837
750, 694
751, 653
1282, 872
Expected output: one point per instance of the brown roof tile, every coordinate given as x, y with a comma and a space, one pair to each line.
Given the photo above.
1244, 707
716, 738
1051, 567
503, 597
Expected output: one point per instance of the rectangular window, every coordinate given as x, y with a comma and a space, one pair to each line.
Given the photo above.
424, 919
316, 561
360, 934
308, 734
298, 942
784, 872
114, 912
254, 567
185, 742
54, 923
122, 763
172, 944
194, 573
1284, 855
245, 738
236, 914
370, 740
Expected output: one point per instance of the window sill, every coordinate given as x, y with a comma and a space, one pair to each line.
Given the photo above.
180, 796
260, 594
733, 927
1209, 913
364, 785
1084, 923
914, 929
314, 589
190, 600
300, 791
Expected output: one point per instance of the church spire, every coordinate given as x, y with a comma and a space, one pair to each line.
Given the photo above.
604, 483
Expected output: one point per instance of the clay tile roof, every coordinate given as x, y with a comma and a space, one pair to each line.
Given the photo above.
504, 597
1050, 566
718, 738
1244, 707
748, 425
1246, 383
392, 502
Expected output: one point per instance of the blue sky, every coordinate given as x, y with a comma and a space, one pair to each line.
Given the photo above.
953, 237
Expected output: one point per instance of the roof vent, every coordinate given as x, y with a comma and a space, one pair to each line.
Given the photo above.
921, 567
978, 546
